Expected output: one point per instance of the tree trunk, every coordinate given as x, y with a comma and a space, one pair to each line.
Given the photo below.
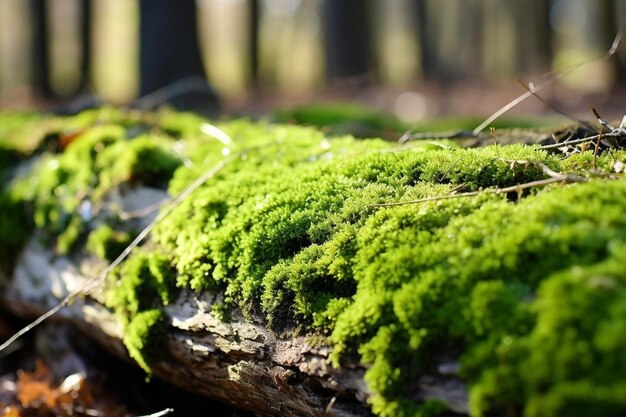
348, 43
41, 49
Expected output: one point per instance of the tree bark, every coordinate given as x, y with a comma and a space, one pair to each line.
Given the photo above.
348, 43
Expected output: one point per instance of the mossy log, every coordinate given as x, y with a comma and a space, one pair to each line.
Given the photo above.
240, 362
293, 273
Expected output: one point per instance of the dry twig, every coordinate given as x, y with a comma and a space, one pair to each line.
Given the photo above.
553, 177
616, 135
551, 78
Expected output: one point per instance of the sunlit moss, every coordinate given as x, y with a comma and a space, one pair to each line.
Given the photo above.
525, 289
98, 160
144, 337
106, 242
142, 283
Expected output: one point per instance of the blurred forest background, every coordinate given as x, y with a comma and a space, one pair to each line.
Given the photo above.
415, 58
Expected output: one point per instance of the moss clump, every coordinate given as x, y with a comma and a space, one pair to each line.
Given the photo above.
15, 227
137, 291
526, 290
464, 283
63, 188
107, 243
142, 283
570, 362
144, 337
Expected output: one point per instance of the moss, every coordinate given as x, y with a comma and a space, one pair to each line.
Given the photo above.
99, 159
142, 283
341, 119
348, 118
527, 292
144, 337
15, 227
107, 243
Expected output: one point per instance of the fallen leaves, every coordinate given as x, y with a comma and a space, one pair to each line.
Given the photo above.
38, 393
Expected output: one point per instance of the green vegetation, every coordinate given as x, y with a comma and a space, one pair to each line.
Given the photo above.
108, 243
144, 336
526, 290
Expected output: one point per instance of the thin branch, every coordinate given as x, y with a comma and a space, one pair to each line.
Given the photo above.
143, 212
177, 88
583, 140
460, 134
548, 171
553, 178
510, 105
529, 87
601, 120
160, 413
595, 151
552, 77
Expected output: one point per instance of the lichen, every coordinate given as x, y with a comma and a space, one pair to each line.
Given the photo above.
526, 289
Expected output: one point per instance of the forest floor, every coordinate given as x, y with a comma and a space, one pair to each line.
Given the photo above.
412, 103
56, 371
435, 100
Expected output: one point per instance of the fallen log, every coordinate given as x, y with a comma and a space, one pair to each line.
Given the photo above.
240, 362
293, 274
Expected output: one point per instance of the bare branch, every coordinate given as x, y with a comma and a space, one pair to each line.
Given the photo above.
583, 140
529, 87
161, 413
553, 178
552, 77
601, 120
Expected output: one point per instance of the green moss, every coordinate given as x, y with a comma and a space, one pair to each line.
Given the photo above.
15, 227
107, 243
348, 118
142, 283
144, 337
100, 159
341, 119
527, 292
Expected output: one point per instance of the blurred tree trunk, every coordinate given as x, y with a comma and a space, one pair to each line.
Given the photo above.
608, 12
534, 36
253, 39
169, 48
449, 38
41, 49
348, 41
543, 41
425, 34
170, 59
85, 46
